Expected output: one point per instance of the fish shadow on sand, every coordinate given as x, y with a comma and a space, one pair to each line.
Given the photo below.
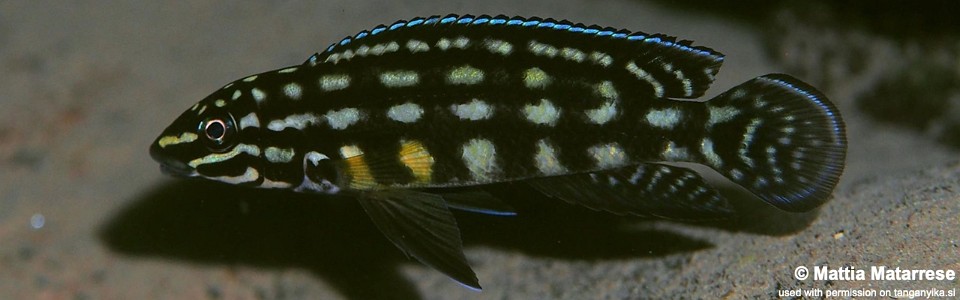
215, 224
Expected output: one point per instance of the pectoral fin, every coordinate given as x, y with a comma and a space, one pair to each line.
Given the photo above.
643, 190
422, 227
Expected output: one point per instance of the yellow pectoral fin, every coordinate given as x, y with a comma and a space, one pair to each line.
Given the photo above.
406, 164
357, 172
415, 156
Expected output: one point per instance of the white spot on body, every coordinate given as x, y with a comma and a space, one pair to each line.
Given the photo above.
745, 157
474, 110
461, 42
380, 49
706, 148
608, 155
643, 75
637, 175
736, 174
721, 114
298, 121
346, 55
334, 82
258, 95
341, 119
399, 78
443, 44
236, 95
771, 155
546, 159
480, 158
288, 70
760, 183
349, 151
466, 75
542, 49
405, 113
292, 90
602, 114
363, 50
335, 58
250, 78
278, 155
535, 78
417, 46
250, 120
687, 84
219, 103
674, 153
751, 131
758, 102
573, 54
543, 113
601, 58
664, 118
498, 46
606, 90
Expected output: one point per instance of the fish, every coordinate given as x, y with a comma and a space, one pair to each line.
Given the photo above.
419, 117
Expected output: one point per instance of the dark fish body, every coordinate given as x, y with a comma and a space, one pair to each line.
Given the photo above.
581, 113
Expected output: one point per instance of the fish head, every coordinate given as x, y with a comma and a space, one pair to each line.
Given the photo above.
206, 141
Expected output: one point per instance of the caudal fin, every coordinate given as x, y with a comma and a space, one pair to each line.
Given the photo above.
779, 138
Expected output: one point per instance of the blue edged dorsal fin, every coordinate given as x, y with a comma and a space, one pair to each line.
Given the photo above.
642, 190
422, 227
659, 64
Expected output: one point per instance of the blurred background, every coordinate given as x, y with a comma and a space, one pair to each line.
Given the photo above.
86, 214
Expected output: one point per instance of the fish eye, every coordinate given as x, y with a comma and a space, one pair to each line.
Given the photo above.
215, 130
218, 132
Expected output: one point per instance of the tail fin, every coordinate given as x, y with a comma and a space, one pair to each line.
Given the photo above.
779, 138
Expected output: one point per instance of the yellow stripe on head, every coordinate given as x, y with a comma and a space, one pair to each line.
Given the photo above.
186, 137
415, 156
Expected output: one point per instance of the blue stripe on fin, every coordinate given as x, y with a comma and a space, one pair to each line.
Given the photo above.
683, 70
448, 19
415, 22
431, 20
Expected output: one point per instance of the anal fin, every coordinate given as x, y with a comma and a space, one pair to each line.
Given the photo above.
422, 227
478, 201
642, 190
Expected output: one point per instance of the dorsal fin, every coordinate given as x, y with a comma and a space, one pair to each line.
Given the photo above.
666, 67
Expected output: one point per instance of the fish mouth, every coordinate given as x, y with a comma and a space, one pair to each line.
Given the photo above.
177, 171
171, 166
